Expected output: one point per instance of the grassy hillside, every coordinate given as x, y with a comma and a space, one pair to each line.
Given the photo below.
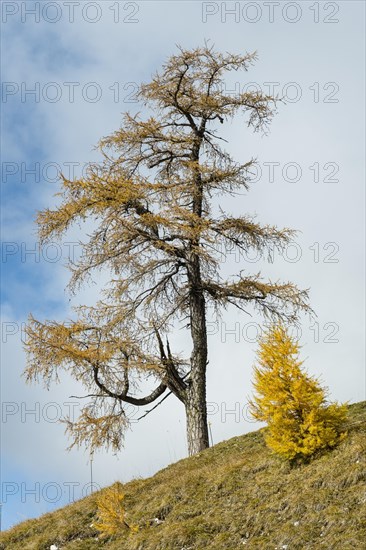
233, 495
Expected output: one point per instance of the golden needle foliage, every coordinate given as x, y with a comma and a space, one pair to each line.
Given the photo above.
292, 403
111, 512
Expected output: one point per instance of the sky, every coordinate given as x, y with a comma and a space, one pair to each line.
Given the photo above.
69, 70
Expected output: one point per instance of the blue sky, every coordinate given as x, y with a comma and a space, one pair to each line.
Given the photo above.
322, 62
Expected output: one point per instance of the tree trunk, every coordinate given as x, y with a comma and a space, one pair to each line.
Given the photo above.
196, 409
196, 415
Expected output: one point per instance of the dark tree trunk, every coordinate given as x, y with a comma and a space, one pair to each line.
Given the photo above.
196, 409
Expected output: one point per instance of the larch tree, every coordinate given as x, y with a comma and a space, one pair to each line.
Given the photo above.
300, 420
151, 199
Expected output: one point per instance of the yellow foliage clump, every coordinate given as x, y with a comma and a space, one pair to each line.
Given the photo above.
299, 419
111, 512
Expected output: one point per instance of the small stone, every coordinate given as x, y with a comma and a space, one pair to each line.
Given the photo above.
296, 523
157, 521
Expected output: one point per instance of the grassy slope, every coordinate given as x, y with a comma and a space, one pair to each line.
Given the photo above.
233, 495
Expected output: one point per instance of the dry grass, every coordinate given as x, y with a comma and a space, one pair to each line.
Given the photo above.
233, 495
